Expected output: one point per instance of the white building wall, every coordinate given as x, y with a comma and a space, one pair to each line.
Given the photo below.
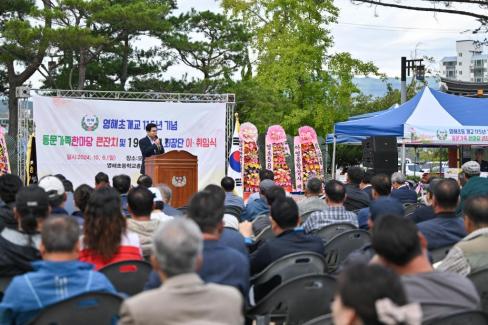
465, 50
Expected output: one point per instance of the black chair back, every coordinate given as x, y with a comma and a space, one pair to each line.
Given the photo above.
330, 231
88, 308
411, 207
265, 234
128, 277
233, 210
480, 280
322, 320
438, 254
297, 300
339, 247
470, 317
182, 209
284, 269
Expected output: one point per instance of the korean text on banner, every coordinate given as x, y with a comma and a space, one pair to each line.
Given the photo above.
81, 137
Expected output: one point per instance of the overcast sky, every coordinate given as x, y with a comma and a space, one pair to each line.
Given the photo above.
382, 35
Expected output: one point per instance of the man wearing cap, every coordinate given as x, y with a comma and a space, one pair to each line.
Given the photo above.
19, 245
475, 185
55, 191
259, 206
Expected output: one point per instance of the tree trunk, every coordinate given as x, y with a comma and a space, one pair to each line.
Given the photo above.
125, 63
82, 69
12, 111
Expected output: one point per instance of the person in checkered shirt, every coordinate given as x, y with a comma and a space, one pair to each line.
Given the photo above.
335, 195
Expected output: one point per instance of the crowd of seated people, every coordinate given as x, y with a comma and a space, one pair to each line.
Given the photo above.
205, 259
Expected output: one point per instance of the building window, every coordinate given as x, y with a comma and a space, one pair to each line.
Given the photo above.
460, 63
460, 72
460, 54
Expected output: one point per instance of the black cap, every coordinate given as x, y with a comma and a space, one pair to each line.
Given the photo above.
32, 197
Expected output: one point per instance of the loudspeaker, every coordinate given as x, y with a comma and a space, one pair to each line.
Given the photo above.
381, 154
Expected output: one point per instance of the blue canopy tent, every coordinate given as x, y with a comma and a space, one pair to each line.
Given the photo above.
430, 117
348, 139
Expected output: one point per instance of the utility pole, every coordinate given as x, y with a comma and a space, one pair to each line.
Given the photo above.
417, 67
403, 79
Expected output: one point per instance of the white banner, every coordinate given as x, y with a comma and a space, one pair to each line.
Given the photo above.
457, 135
79, 138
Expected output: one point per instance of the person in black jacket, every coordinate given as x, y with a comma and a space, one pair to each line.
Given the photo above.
150, 145
355, 199
18, 248
284, 220
9, 186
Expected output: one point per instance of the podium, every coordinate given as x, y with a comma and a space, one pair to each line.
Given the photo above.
178, 170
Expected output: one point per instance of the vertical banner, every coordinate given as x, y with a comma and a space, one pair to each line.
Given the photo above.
81, 137
276, 151
234, 169
31, 165
308, 157
248, 136
297, 147
4, 162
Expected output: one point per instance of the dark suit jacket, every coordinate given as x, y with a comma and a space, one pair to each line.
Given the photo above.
148, 149
404, 195
288, 242
356, 199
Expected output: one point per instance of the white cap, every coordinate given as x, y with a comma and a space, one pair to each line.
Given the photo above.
157, 194
52, 185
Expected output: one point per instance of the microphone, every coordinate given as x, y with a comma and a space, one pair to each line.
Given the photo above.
157, 144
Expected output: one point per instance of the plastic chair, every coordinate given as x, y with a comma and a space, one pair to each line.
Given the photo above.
286, 268
234, 210
480, 280
322, 320
296, 301
265, 234
470, 317
305, 216
339, 247
88, 308
182, 209
128, 276
330, 231
411, 207
438, 254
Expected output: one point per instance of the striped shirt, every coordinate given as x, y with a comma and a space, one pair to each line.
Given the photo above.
455, 261
319, 219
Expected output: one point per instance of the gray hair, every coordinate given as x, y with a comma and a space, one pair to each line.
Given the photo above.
166, 192
314, 185
60, 234
398, 177
176, 245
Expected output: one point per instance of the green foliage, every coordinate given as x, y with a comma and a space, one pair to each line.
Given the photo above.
297, 81
209, 42
348, 155
95, 43
25, 29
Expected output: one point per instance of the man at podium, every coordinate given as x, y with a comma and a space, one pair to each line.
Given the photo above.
150, 145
